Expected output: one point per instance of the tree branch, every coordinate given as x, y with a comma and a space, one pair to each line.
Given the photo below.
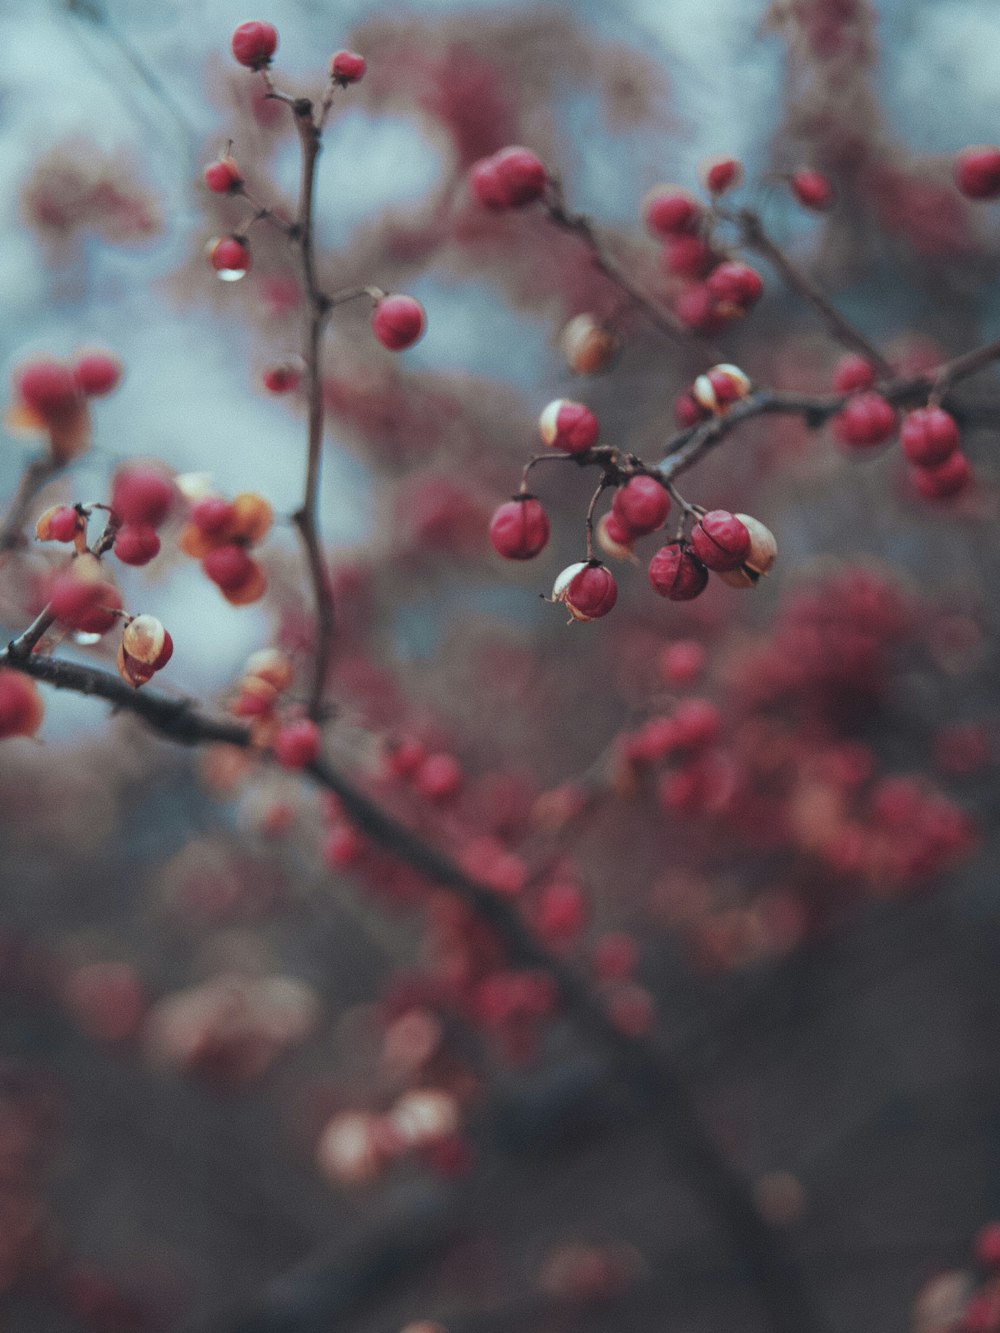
40, 470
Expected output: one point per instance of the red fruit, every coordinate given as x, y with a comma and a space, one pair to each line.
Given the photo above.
668, 211
343, 847
853, 372
84, 604
282, 379
212, 515
988, 1245
230, 257
223, 176
864, 421
569, 426
642, 505
615, 957
136, 543
696, 308
687, 256
48, 387
229, 567
520, 528
347, 67
297, 744
977, 171
613, 537
735, 284
677, 573
721, 173
141, 496
398, 321
928, 436
681, 663
439, 777
720, 540
592, 593
254, 43
64, 524
687, 410
561, 912
20, 705
812, 189
97, 373
509, 179
696, 723
944, 480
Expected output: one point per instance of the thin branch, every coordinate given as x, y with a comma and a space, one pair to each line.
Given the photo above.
582, 226
754, 236
39, 471
306, 517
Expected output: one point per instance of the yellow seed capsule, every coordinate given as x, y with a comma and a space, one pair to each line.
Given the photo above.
144, 639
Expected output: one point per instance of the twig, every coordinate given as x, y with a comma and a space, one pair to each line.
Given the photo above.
33, 478
754, 236
582, 226
305, 517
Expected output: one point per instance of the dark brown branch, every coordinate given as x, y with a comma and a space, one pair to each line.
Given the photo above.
306, 517
33, 478
582, 226
842, 329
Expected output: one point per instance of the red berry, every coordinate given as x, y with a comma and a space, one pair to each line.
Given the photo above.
212, 515
977, 171
642, 505
343, 847
682, 662
592, 593
988, 1245
136, 544
677, 573
398, 321
687, 410
720, 540
509, 179
97, 373
230, 257
520, 528
721, 173
944, 480
864, 421
229, 567
84, 604
223, 176
439, 777
347, 67
20, 705
928, 436
812, 189
48, 387
141, 495
853, 372
736, 284
297, 744
561, 912
615, 957
687, 256
669, 210
254, 43
569, 426
64, 524
284, 378
696, 308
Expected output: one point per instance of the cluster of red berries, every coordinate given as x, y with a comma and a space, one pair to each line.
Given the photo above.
50, 398
929, 436
736, 546
220, 533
